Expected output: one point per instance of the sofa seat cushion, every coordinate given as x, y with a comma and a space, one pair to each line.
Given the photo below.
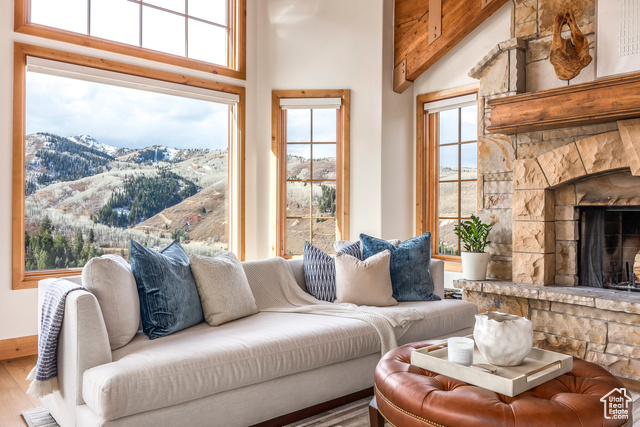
201, 360
442, 317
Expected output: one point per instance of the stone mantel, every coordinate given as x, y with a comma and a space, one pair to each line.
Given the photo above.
605, 299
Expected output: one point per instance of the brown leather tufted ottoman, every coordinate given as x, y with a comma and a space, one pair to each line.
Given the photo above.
409, 396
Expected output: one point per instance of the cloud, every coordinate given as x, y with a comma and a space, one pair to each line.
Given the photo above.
122, 117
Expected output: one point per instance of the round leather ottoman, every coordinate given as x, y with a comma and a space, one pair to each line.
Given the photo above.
409, 396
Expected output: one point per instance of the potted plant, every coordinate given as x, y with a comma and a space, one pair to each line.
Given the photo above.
474, 234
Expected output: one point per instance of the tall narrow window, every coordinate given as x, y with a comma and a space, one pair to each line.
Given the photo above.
448, 168
109, 157
312, 149
201, 34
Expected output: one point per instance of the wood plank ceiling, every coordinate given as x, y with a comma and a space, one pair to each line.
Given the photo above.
417, 48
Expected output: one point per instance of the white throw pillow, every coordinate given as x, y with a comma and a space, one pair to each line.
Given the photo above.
365, 282
109, 278
223, 287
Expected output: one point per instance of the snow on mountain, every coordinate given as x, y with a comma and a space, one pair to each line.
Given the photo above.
90, 142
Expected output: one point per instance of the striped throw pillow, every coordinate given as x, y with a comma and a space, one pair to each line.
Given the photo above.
320, 270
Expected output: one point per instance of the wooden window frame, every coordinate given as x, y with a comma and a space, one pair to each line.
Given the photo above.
278, 150
22, 279
427, 170
238, 26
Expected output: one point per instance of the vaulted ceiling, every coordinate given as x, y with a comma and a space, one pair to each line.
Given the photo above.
425, 30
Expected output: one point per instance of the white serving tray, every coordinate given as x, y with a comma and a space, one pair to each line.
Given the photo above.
539, 367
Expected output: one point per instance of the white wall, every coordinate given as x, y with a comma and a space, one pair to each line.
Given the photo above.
317, 44
452, 71
397, 145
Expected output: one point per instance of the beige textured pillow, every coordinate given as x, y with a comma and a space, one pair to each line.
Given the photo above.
109, 278
365, 282
223, 287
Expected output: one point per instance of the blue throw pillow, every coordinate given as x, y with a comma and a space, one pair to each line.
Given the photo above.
320, 270
169, 300
410, 275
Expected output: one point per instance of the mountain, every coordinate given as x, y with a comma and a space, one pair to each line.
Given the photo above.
52, 158
90, 142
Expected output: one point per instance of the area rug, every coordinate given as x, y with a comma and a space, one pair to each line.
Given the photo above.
354, 414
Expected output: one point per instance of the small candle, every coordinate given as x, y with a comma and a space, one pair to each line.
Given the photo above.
461, 351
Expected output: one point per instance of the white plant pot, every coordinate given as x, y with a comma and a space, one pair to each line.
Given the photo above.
474, 265
503, 339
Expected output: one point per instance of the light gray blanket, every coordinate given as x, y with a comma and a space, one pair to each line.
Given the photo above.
275, 289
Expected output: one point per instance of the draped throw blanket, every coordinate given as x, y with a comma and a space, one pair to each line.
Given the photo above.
44, 376
275, 289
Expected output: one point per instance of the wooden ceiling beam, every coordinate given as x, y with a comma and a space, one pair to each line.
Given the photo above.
459, 18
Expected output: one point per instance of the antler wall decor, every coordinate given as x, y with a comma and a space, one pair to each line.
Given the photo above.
568, 56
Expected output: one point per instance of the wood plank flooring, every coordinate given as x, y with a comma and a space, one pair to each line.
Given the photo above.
13, 389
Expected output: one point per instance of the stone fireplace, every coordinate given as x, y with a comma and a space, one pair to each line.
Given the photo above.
540, 187
550, 190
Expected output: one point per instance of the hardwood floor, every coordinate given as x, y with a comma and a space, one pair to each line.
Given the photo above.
13, 389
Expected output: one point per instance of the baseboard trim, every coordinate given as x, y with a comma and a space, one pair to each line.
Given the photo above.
18, 347
316, 409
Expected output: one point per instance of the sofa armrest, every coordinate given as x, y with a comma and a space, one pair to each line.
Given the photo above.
82, 344
437, 274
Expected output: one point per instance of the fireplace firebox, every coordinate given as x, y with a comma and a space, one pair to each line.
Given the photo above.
609, 243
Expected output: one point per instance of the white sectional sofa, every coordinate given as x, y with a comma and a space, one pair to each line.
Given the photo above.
238, 374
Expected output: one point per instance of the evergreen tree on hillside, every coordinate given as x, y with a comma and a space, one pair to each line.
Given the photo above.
78, 243
45, 249
144, 196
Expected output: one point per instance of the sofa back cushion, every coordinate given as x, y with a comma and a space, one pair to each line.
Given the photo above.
409, 267
169, 300
110, 279
223, 287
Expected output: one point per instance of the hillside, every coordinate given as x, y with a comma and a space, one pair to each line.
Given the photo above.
117, 194
51, 158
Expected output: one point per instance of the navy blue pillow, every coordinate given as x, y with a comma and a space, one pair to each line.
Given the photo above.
320, 270
410, 275
169, 300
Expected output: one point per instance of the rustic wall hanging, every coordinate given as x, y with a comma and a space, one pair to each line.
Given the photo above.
568, 56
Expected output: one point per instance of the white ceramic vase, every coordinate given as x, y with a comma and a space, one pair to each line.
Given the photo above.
503, 339
474, 265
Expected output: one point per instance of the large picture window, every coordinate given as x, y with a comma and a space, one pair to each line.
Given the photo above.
201, 34
447, 166
313, 169
108, 157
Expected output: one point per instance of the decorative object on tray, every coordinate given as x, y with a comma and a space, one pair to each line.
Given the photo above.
460, 350
474, 235
568, 56
538, 367
503, 339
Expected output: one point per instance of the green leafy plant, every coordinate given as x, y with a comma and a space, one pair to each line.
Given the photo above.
474, 234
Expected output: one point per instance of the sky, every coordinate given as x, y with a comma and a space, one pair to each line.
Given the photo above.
449, 133
122, 117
